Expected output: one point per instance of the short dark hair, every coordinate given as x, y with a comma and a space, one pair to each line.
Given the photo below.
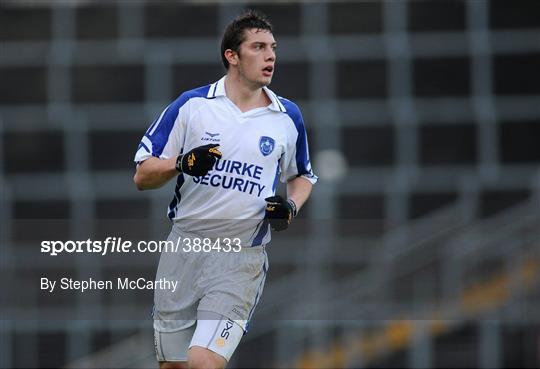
234, 33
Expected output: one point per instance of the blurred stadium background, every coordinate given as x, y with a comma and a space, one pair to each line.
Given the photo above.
420, 246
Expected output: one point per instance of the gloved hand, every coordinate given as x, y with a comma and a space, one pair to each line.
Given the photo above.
198, 161
279, 212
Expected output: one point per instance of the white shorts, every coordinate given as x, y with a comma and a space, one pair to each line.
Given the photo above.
214, 289
212, 331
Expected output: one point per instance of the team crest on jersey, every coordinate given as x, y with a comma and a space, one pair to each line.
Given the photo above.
266, 145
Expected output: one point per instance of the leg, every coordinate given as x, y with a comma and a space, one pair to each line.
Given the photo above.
173, 365
171, 348
203, 358
225, 307
214, 341
175, 313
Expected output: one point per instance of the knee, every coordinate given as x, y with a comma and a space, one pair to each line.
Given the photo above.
172, 365
202, 358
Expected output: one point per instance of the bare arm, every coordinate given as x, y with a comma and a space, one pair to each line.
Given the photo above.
298, 190
154, 173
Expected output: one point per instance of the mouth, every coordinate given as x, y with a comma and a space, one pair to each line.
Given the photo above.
268, 70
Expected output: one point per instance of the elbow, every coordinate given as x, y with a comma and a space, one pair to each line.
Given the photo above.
144, 182
139, 183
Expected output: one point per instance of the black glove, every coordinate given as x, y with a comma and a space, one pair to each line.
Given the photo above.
279, 212
198, 161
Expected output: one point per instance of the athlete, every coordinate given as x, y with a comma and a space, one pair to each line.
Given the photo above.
227, 144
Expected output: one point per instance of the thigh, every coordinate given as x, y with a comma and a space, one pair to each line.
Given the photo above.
175, 310
179, 303
173, 346
233, 284
217, 333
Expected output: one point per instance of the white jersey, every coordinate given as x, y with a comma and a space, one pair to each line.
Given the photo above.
258, 146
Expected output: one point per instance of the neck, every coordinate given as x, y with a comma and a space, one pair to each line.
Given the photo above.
244, 95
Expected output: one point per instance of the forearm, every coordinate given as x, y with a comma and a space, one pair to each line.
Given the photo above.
298, 190
154, 173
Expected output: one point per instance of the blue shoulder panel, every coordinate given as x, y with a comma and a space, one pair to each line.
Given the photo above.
159, 131
302, 157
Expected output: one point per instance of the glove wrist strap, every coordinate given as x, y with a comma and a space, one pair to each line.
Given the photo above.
293, 207
178, 164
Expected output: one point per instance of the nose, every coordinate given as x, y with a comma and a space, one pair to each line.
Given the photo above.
271, 55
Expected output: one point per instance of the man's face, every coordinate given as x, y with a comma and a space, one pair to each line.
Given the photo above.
257, 56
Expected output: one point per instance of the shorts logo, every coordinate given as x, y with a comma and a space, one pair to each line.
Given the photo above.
266, 145
220, 342
236, 311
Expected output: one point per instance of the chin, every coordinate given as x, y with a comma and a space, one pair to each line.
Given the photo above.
266, 81
261, 83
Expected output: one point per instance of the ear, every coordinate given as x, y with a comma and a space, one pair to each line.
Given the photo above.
231, 56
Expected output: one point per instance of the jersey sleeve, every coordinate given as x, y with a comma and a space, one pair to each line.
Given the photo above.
295, 161
165, 137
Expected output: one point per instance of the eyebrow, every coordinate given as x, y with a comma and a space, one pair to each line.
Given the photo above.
264, 43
